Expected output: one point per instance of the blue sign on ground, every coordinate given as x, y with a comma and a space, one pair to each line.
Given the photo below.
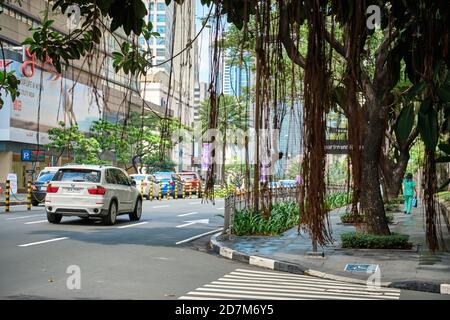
358, 267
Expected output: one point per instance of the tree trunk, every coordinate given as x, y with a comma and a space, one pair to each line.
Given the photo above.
393, 176
371, 200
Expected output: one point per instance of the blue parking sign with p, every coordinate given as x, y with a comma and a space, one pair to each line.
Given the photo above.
26, 155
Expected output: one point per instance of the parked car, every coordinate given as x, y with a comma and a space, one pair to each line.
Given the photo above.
39, 186
288, 183
92, 191
274, 184
168, 181
145, 182
191, 180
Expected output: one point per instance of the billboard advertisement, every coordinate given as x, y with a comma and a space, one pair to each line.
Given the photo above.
60, 99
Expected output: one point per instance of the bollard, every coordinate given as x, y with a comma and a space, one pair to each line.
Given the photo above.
7, 193
183, 195
29, 195
168, 191
150, 191
175, 191
160, 192
199, 189
190, 191
142, 189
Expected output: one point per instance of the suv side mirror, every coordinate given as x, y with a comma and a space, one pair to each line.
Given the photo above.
133, 182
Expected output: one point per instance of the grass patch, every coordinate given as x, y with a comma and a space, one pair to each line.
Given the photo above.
284, 216
336, 200
445, 195
369, 241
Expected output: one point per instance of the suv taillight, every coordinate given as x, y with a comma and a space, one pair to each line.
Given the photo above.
33, 187
98, 190
51, 189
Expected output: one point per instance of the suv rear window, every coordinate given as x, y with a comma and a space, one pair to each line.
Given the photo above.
78, 175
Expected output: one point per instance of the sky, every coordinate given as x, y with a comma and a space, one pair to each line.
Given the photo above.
203, 40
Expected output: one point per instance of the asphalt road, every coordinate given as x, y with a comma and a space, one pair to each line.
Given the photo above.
159, 257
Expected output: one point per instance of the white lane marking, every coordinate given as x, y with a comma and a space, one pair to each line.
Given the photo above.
220, 208
41, 242
132, 225
199, 236
189, 223
39, 221
187, 214
25, 217
156, 207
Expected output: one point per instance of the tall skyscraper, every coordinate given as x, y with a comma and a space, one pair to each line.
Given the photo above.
235, 78
171, 83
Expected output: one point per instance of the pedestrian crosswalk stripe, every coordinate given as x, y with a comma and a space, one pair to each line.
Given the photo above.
297, 278
312, 291
252, 284
294, 285
306, 287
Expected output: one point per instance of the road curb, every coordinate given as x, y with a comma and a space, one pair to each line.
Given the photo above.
277, 265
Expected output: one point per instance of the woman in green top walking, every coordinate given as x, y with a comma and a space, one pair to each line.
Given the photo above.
409, 191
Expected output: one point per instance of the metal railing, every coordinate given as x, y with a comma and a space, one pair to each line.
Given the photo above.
245, 200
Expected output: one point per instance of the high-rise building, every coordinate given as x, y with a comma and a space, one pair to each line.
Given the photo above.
171, 82
86, 90
236, 78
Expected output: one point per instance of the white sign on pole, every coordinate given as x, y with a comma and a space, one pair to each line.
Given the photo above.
12, 177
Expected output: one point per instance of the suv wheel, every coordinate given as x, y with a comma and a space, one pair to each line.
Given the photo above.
34, 203
136, 214
53, 217
110, 218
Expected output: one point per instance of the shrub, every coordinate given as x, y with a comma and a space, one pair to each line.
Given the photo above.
336, 200
283, 217
348, 218
369, 241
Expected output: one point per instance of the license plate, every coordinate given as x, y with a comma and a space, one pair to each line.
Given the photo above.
72, 190
43, 188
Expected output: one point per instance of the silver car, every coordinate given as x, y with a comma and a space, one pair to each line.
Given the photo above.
92, 191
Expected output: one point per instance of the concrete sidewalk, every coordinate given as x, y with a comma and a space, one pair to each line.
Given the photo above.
416, 269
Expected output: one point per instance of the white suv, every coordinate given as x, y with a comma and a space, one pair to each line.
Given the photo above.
92, 191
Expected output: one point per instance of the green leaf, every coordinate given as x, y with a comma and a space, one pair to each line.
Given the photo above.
405, 123
428, 124
444, 93
444, 147
415, 90
443, 159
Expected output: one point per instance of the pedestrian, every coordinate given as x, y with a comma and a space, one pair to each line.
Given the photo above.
409, 192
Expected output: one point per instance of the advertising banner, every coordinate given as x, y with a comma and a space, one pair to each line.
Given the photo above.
61, 99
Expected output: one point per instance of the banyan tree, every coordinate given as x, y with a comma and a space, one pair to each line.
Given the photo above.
346, 54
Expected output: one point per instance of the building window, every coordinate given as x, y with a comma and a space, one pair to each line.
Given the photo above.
160, 41
161, 6
161, 52
161, 18
161, 29
151, 6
